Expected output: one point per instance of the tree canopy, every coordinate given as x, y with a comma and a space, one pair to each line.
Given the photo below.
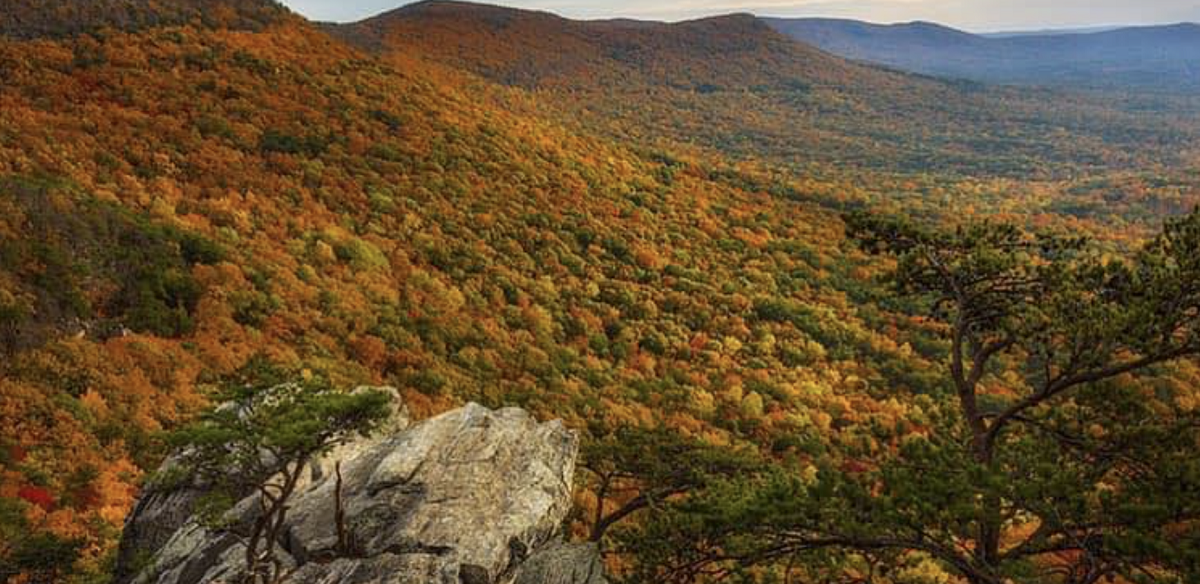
1061, 455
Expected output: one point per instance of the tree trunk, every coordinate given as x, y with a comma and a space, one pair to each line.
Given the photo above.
991, 519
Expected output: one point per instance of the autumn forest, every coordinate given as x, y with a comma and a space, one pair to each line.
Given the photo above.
815, 320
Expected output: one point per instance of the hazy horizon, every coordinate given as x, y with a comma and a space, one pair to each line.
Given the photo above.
974, 15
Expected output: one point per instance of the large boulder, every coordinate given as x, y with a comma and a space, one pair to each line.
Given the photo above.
464, 498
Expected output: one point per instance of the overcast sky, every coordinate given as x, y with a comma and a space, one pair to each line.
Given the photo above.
976, 15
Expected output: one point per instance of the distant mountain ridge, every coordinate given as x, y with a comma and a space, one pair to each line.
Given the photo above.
1165, 57
527, 48
1050, 31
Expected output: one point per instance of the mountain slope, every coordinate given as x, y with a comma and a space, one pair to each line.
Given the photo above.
179, 204
732, 85
1154, 57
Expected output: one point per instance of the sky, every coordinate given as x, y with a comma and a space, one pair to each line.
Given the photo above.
973, 15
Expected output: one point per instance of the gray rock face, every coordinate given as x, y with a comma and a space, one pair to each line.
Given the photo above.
154, 520
563, 564
473, 496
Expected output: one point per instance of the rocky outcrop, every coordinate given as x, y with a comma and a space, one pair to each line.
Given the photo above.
167, 504
473, 496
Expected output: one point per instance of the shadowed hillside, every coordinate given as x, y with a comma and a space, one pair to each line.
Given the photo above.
25, 19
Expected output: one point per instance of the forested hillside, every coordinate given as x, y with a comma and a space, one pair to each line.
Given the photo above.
179, 200
31, 19
655, 233
801, 123
735, 86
